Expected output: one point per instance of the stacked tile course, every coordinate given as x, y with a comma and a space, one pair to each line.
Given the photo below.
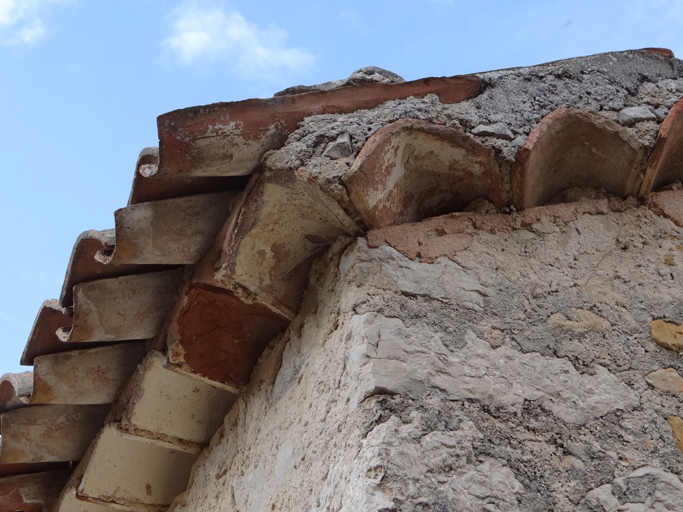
448, 294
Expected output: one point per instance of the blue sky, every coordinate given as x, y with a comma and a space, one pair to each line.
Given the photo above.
82, 81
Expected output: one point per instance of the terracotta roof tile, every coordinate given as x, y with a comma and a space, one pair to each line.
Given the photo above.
49, 433
173, 403
140, 472
174, 231
86, 263
28, 469
147, 186
220, 336
411, 169
229, 139
283, 222
85, 377
571, 148
44, 339
31, 493
664, 52
666, 161
15, 390
122, 308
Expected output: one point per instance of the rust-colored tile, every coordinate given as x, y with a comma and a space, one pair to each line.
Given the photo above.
87, 263
49, 433
571, 148
222, 337
226, 139
177, 231
43, 339
28, 469
149, 186
31, 493
132, 307
664, 52
666, 161
412, 169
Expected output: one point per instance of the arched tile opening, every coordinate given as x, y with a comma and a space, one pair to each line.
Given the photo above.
412, 169
570, 148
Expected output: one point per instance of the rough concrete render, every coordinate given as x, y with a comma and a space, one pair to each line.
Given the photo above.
377, 295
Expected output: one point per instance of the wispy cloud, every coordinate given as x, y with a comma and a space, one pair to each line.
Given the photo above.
22, 22
214, 34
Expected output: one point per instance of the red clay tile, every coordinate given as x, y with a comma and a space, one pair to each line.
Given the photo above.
571, 148
230, 138
28, 469
282, 224
49, 433
15, 390
148, 186
664, 52
666, 160
177, 231
43, 339
220, 336
123, 308
87, 263
31, 493
412, 169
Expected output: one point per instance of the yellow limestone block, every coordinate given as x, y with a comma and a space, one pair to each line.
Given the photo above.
585, 322
676, 425
667, 335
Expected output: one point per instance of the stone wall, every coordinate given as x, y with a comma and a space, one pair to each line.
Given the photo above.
519, 373
457, 293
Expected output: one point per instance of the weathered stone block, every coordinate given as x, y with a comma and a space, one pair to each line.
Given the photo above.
666, 380
632, 115
676, 425
667, 335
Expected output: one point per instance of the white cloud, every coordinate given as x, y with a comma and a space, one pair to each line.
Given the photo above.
22, 21
212, 34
